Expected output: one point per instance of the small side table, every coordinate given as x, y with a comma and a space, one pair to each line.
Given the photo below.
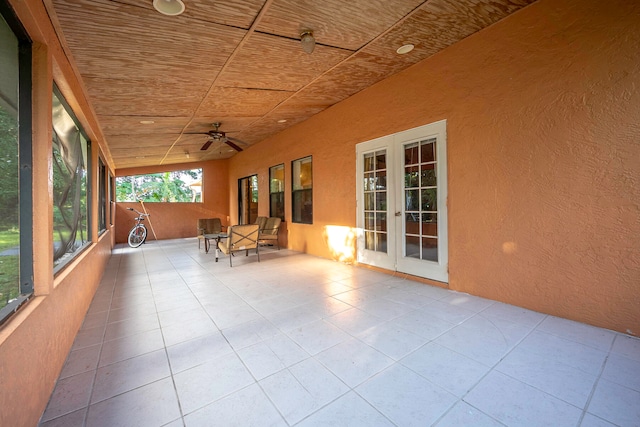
217, 237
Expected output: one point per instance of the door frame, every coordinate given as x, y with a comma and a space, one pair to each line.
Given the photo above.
394, 258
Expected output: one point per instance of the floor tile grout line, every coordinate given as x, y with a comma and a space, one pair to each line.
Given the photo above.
95, 373
173, 380
533, 329
491, 368
597, 381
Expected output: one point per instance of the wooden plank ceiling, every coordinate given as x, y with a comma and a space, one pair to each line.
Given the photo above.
240, 62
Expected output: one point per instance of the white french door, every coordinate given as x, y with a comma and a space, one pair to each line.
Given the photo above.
402, 195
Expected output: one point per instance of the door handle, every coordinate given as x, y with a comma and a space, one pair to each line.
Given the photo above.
398, 213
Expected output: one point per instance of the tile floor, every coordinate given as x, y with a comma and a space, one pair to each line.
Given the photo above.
173, 339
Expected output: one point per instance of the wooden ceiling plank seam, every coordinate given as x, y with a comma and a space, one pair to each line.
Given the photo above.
235, 52
352, 55
57, 28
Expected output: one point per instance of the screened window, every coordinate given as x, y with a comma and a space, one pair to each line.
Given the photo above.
70, 185
111, 199
302, 191
175, 187
276, 191
16, 267
102, 196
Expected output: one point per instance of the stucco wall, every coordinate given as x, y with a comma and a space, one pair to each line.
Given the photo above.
34, 345
543, 154
178, 220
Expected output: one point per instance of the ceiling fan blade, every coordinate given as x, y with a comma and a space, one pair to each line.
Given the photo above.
207, 145
231, 144
238, 141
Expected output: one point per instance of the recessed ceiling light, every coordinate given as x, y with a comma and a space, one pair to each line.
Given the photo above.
282, 121
147, 122
139, 157
405, 49
169, 7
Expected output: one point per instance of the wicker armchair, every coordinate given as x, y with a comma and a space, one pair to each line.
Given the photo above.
208, 226
240, 238
269, 233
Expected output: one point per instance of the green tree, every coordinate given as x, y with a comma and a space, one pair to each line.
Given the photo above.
156, 187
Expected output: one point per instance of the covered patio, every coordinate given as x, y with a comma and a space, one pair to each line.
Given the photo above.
173, 338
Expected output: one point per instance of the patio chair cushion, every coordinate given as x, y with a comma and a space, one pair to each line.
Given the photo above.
269, 233
240, 238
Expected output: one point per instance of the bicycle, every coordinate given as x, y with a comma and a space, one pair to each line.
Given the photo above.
138, 233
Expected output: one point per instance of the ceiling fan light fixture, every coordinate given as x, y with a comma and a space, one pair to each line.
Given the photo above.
169, 7
404, 49
308, 41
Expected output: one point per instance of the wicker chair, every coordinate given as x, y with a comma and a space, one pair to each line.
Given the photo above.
208, 226
269, 233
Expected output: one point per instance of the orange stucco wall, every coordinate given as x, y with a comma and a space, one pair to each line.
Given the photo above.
178, 220
35, 341
543, 155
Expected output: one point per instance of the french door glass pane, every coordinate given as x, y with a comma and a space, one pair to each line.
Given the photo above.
381, 242
381, 221
369, 164
411, 154
412, 247
428, 175
369, 220
428, 151
430, 249
370, 240
412, 176
381, 180
430, 199
412, 200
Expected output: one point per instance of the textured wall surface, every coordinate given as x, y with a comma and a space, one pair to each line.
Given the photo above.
32, 355
35, 342
543, 138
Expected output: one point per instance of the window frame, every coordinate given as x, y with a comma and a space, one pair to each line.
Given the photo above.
297, 214
25, 159
102, 196
279, 195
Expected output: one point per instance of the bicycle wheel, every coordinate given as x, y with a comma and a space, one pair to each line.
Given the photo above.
137, 235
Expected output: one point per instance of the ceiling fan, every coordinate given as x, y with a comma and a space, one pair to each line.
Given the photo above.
216, 135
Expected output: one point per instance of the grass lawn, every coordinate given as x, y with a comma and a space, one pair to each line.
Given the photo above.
9, 239
9, 268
